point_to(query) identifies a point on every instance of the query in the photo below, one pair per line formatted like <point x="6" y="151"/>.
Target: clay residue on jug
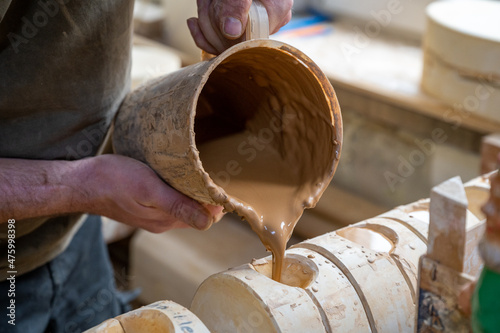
<point x="265" y="135"/>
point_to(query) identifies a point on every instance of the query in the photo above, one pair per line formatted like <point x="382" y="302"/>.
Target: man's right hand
<point x="129" y="191"/>
<point x="118" y="187"/>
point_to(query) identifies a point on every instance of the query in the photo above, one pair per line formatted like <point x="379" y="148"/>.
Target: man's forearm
<point x="114" y="186"/>
<point x="34" y="188"/>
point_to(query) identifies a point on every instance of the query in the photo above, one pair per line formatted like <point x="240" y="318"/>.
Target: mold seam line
<point x="352" y="280"/>
<point x="409" y="226"/>
<point x="259" y="299"/>
<point x="322" y="312"/>
<point x="406" y="277"/>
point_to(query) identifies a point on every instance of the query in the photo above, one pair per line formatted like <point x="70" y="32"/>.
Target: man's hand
<point x="221" y="23"/>
<point x="128" y="191"/>
<point x="115" y="186"/>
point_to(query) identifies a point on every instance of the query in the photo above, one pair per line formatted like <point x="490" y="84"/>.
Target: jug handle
<point x="257" y="26"/>
<point x="258" y="22"/>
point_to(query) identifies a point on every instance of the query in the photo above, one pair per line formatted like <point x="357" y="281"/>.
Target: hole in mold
<point x="372" y="236"/>
<point x="297" y="271"/>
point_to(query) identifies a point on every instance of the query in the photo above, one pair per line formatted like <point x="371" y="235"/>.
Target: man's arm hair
<point x="36" y="188"/>
<point x="115" y="186"/>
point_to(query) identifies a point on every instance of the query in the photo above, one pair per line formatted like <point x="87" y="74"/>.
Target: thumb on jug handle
<point x="257" y="25"/>
<point x="258" y="22"/>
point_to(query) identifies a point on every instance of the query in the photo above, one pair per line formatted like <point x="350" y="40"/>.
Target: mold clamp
<point x="441" y="276"/>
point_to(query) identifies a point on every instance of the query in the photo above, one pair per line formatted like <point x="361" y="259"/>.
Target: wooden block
<point x="447" y="228"/>
<point x="453" y="235"/>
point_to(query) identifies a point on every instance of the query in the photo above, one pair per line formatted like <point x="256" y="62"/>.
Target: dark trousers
<point x="73" y="292"/>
